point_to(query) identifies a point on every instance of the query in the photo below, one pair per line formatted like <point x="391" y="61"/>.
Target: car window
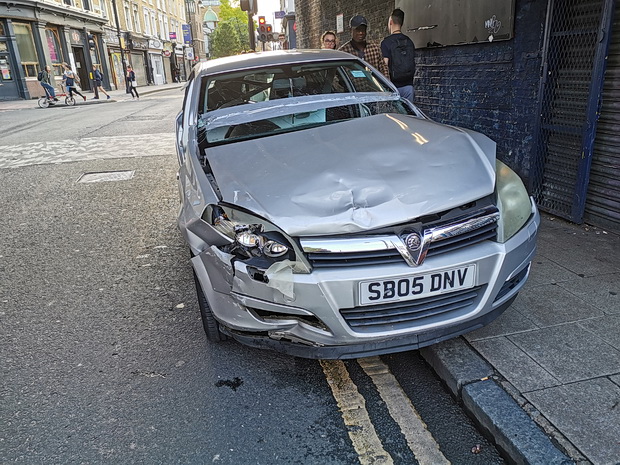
<point x="241" y="88"/>
<point x="274" y="98"/>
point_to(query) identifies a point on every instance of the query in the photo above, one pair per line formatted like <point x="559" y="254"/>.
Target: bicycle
<point x="47" y="101"/>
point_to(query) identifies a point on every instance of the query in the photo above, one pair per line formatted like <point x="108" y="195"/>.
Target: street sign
<point x="187" y="33"/>
<point x="279" y="14"/>
<point x="173" y="35"/>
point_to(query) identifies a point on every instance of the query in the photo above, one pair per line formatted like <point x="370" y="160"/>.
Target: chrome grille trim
<point x="390" y="248"/>
<point x="405" y="315"/>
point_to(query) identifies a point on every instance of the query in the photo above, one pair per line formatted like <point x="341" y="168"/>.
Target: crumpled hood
<point x="357" y="175"/>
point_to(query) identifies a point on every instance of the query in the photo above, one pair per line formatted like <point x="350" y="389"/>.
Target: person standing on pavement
<point x="70" y="81"/>
<point x="328" y="40"/>
<point x="132" y="83"/>
<point x="358" y="46"/>
<point x="399" y="55"/>
<point x="46" y="83"/>
<point x="98" y="77"/>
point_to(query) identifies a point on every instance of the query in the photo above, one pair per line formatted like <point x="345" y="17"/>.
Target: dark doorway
<point x="81" y="68"/>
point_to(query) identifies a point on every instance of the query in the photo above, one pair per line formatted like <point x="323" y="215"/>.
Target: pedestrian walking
<point x="328" y="40"/>
<point x="98" y="77"/>
<point x="399" y="55"/>
<point x="132" y="83"/>
<point x="45" y="77"/>
<point x="358" y="46"/>
<point x="70" y="81"/>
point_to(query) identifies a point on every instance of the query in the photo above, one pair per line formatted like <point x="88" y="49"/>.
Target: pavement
<point x="544" y="378"/>
<point x="116" y="96"/>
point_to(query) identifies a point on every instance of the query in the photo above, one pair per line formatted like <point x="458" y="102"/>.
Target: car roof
<point x="260" y="59"/>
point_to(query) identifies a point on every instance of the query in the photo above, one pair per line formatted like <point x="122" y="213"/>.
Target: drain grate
<point x="107" y="176"/>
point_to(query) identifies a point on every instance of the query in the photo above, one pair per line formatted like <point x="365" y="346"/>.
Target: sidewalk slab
<point x="468" y="376"/>
<point x="557" y="348"/>
<point x="588" y="414"/>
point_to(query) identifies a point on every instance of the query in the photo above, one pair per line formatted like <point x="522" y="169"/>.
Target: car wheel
<point x="211" y="325"/>
<point x="43" y="102"/>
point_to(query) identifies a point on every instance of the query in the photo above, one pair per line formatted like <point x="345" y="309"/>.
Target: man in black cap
<point x="358" y="46"/>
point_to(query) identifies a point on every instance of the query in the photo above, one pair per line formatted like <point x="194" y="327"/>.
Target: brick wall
<point x="315" y="17"/>
<point x="489" y="87"/>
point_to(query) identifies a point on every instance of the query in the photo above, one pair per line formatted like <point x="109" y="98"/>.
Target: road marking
<point x="419" y="439"/>
<point x="353" y="408"/>
<point x="87" y="148"/>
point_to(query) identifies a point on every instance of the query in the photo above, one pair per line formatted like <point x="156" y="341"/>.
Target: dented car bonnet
<point x="339" y="178"/>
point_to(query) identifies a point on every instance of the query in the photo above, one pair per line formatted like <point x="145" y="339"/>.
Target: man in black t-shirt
<point x="398" y="53"/>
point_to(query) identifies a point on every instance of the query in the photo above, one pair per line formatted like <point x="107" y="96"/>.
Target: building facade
<point x="147" y="34"/>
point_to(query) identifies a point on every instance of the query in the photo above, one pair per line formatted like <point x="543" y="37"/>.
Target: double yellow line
<point x="363" y="435"/>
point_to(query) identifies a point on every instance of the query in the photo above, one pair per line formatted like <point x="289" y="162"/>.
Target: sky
<point x="267" y="8"/>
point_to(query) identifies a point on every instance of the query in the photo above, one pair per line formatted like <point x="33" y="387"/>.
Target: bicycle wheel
<point x="43" y="102"/>
<point x="69" y="101"/>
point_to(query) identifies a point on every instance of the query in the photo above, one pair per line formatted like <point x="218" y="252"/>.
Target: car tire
<point x="210" y="324"/>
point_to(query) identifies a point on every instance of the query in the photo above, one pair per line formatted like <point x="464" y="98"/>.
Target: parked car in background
<point x="328" y="218"/>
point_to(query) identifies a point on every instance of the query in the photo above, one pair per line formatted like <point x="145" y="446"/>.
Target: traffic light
<point x="269" y="29"/>
<point x="249" y="5"/>
<point x="262" y="29"/>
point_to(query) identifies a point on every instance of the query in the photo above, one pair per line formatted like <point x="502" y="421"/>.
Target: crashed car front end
<point x="329" y="242"/>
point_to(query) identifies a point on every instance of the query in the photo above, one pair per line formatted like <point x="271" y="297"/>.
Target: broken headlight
<point x="513" y="202"/>
<point x="252" y="237"/>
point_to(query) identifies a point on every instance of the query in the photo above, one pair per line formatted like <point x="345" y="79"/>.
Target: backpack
<point x="402" y="64"/>
<point x="40" y="76"/>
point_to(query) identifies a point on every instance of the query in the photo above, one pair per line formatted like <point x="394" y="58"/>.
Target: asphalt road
<point x="102" y="354"/>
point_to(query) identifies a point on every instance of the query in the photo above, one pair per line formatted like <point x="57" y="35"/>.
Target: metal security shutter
<point x="576" y="41"/>
<point x="603" y="200"/>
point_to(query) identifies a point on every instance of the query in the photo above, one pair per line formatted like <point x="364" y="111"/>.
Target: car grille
<point x="380" y="250"/>
<point x="404" y="315"/>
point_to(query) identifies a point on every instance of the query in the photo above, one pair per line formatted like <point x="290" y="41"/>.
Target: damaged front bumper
<point x="305" y="314"/>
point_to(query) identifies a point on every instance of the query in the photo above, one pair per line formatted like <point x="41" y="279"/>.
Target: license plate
<point x="417" y="286"/>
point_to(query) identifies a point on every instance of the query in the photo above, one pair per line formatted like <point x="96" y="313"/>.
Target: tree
<point x="238" y="20"/>
<point x="224" y="40"/>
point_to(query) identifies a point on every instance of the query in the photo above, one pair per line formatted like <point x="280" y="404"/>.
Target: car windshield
<point x="266" y="101"/>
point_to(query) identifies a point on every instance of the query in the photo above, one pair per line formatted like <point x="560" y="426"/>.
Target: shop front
<point x="31" y="38"/>
<point x="156" y="61"/>
<point x="9" y="88"/>
<point x="115" y="62"/>
<point x="139" y="49"/>
<point x="169" y="64"/>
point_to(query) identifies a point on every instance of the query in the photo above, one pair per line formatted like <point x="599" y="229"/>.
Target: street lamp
<point x="120" y="44"/>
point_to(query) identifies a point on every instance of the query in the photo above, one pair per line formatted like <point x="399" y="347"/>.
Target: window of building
<point x="128" y="16"/>
<point x="154" y="24"/>
<point x="86" y="5"/>
<point x="136" y="18"/>
<point x="161" y="26"/>
<point x="68" y="2"/>
<point x="27" y="51"/>
<point x="53" y="44"/>
<point x="147" y="21"/>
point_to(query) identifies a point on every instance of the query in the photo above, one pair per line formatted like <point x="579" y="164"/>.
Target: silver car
<point x="328" y="218"/>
